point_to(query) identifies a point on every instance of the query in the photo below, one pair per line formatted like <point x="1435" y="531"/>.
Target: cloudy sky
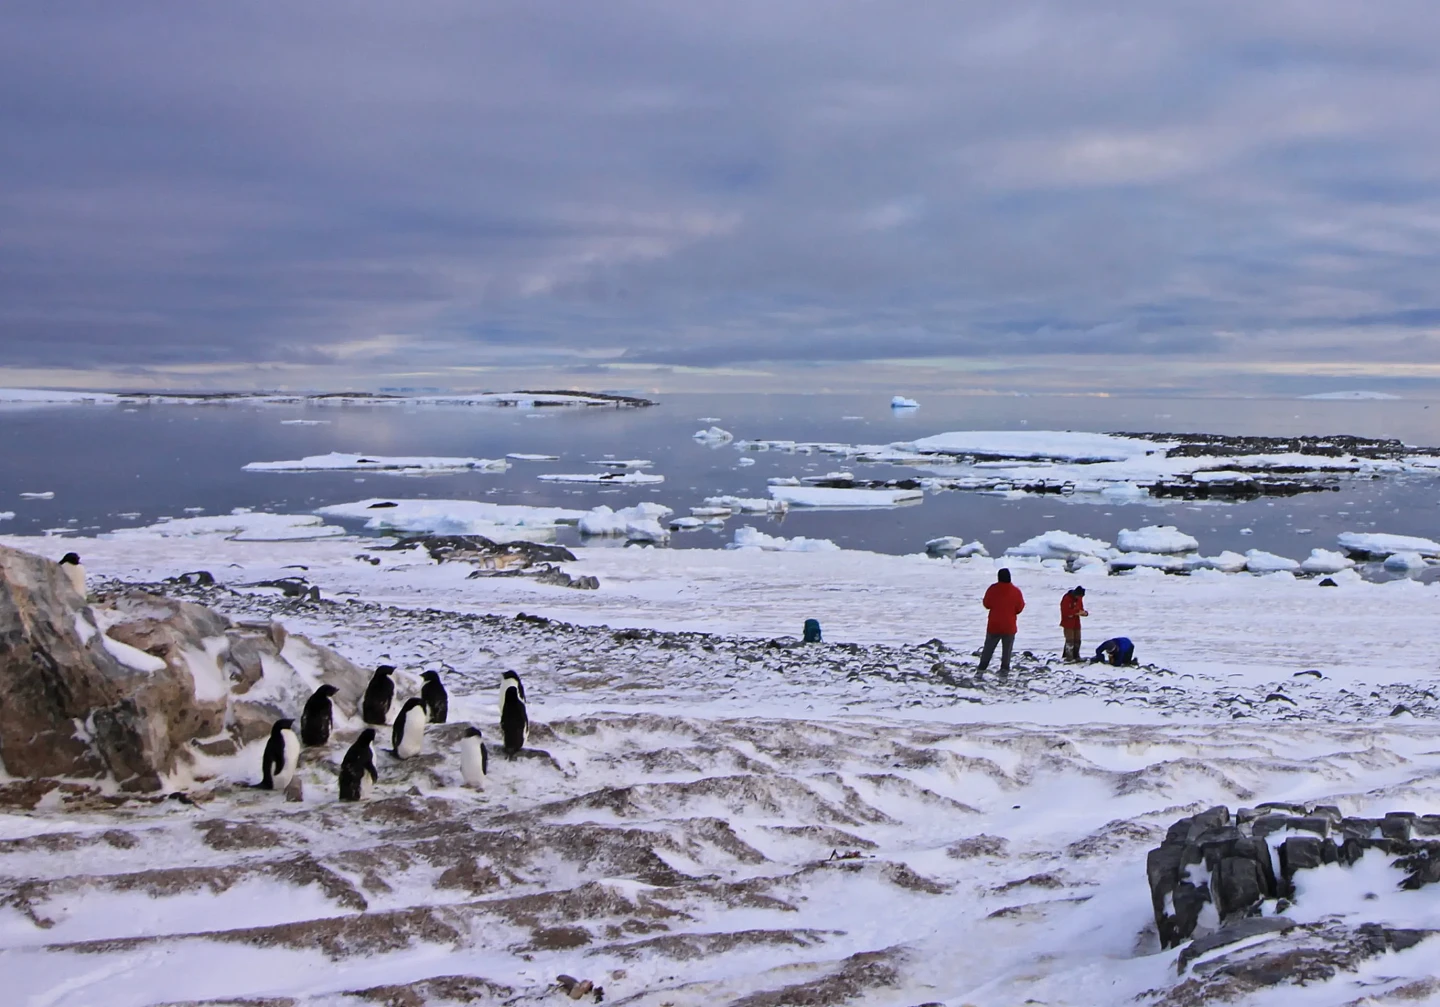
<point x="1079" y="193"/>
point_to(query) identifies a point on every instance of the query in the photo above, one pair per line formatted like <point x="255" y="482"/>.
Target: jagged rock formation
<point x="123" y="687"/>
<point x="1211" y="862"/>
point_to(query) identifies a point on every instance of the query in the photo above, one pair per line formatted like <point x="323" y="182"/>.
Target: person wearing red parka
<point x="1005" y="602"/>
<point x="1072" y="609"/>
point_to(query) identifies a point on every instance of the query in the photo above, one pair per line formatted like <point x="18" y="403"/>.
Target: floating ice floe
<point x="688" y="523"/>
<point x="623" y="464"/>
<point x="46" y="495"/>
<point x="1164" y="539"/>
<point x="400" y="465"/>
<point x="1405" y="561"/>
<point x="7" y="515"/>
<point x="1225" y="562"/>
<point x="1165" y="562"/>
<point x="742" y="505"/>
<point x="455" y="517"/>
<point x="240" y="525"/>
<point x="304" y="423"/>
<point x="750" y="537"/>
<point x="714" y="435"/>
<point x="1370" y="545"/>
<point x="954" y="547"/>
<point x="1059" y="545"/>
<point x="519" y="456"/>
<point x="901" y="402"/>
<point x="1260" y="561"/>
<point x="826" y="496"/>
<point x="618" y="478"/>
<point x="1325" y="561"/>
<point x="743" y="461"/>
<point x="640" y="523"/>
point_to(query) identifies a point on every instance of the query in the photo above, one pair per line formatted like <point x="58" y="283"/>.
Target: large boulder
<point x="123" y="688"/>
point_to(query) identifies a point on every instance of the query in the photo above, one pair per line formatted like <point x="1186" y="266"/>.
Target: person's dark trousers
<point x="1007" y="645"/>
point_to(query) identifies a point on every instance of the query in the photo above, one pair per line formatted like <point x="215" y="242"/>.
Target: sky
<point x="1089" y="195"/>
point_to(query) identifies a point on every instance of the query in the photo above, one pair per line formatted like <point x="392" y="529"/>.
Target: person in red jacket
<point x="1005" y="602"/>
<point x="1072" y="609"/>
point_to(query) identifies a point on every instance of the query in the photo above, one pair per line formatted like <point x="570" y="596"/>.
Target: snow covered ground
<point x="713" y="814"/>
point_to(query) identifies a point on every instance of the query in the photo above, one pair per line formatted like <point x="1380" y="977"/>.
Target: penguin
<point x="357" y="769"/>
<point x="316" y="720"/>
<point x="379" y="695"/>
<point x="70" y="563"/>
<point x="409" y="732"/>
<point x="437" y="700"/>
<point x="514" y="721"/>
<point x="474" y="759"/>
<point x="282" y="755"/>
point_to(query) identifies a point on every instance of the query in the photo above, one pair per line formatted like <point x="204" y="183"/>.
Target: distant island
<point x="1355" y="396"/>
<point x="525" y="398"/>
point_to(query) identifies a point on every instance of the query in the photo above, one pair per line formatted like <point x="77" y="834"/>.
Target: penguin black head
<point x="72" y="558"/>
<point x="326" y="690"/>
<point x="472" y="732"/>
<point x="366" y="737"/>
<point x="431" y="676"/>
<point x="385" y="669"/>
<point x="283" y="725"/>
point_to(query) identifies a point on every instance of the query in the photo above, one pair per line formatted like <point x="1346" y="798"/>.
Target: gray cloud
<point x="703" y="184"/>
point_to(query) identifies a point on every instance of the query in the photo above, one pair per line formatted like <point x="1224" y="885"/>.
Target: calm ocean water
<point x="111" y="467"/>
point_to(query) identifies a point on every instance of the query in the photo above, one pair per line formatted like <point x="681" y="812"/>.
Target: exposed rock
<point x="1208" y="859"/>
<point x="123" y="687"/>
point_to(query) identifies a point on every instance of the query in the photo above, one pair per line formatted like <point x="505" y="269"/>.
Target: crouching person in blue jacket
<point x="1117" y="651"/>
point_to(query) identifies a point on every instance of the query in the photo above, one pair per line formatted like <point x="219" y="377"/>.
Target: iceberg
<point x="452" y="517"/>
<point x="1047" y="445"/>
<point x="749" y="537"/>
<point x="825" y="496"/>
<point x="1155" y="539"/>
<point x="901" y="402"/>
<point x="619" y="478"/>
<point x="1405" y="561"/>
<point x="1060" y="545"/>
<point x="1325" y="561"/>
<point x="1225" y="562"/>
<point x="1369" y="545"/>
<point x="639" y="523"/>
<point x="241" y="525"/>
<point x="714" y="436"/>
<point x="1260" y="561"/>
<point x="401" y="465"/>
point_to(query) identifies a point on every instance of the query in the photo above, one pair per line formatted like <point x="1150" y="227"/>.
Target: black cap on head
<point x="71" y="557"/>
<point x="1079" y="590"/>
<point x="471" y="732"/>
<point x="1003" y="576"/>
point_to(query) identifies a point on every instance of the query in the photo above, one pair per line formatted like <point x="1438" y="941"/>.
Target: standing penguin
<point x="70" y="563"/>
<point x="282" y="755"/>
<point x="317" y="717"/>
<point x="357" y="769"/>
<point x="379" y="695"/>
<point x="474" y="759"/>
<point x="409" y="732"/>
<point x="437" y="700"/>
<point x="514" y="721"/>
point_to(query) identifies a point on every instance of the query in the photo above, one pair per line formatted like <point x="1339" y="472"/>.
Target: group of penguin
<point x="432" y="706"/>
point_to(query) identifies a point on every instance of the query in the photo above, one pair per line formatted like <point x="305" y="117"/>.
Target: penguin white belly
<point x="472" y="763"/>
<point x="292" y="760"/>
<point x="76" y="573"/>
<point x="366" y="785"/>
<point x="413" y="734"/>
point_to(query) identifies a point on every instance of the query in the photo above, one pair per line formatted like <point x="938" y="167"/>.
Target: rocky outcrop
<point x="126" y="686"/>
<point x="1212" y="866"/>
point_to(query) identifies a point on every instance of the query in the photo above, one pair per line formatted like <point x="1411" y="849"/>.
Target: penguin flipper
<point x="484" y="759"/>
